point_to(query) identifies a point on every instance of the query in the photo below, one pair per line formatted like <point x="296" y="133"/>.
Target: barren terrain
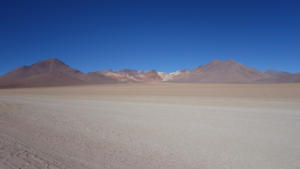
<point x="152" y="126"/>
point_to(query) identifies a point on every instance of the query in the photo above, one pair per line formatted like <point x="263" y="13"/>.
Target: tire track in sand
<point x="16" y="155"/>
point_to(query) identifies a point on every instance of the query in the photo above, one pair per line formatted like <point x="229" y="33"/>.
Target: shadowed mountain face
<point x="53" y="72"/>
<point x="219" y="71"/>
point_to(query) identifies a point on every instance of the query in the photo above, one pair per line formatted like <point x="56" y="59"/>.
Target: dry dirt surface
<point x="151" y="126"/>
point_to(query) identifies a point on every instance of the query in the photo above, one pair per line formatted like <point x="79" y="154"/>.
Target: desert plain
<point x="151" y="126"/>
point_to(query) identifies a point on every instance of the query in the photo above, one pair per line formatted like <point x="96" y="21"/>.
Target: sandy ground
<point x="153" y="126"/>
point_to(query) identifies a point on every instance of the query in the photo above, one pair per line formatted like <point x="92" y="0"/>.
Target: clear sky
<point x="162" y="35"/>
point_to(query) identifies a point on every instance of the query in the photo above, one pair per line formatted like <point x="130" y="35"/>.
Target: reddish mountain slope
<point x="277" y="73"/>
<point x="286" y="78"/>
<point x="51" y="72"/>
<point x="219" y="71"/>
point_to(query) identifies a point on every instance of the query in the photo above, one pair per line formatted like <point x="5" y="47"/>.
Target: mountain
<point x="45" y="73"/>
<point x="219" y="71"/>
<point x="282" y="78"/>
<point x="127" y="75"/>
<point x="51" y="72"/>
<point x="171" y="76"/>
<point x="289" y="78"/>
<point x="277" y="73"/>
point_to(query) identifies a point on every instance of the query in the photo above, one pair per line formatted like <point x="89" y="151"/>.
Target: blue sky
<point x="162" y="35"/>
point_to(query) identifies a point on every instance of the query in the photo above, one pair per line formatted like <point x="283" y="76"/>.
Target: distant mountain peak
<point x="50" y="72"/>
<point x="228" y="71"/>
<point x="52" y="61"/>
<point x="216" y="61"/>
<point x="231" y="61"/>
<point x="54" y="72"/>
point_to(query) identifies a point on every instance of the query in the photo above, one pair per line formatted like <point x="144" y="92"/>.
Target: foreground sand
<point x="134" y="126"/>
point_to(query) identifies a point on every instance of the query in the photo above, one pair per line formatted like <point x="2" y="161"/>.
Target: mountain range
<point x="53" y="72"/>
